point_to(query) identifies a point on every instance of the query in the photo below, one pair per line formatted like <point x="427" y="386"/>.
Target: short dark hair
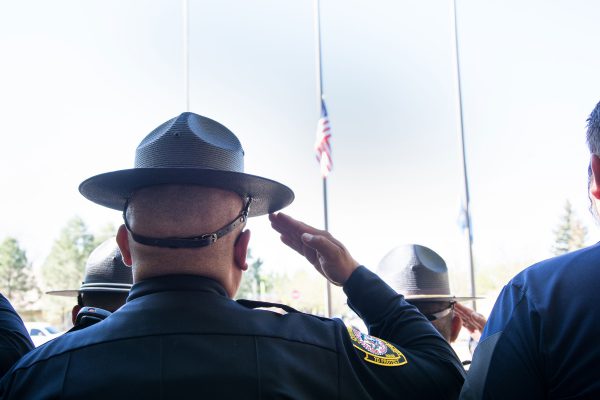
<point x="593" y="141"/>
<point x="593" y="130"/>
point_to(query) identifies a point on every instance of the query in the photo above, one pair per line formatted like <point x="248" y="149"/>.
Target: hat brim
<point x="112" y="189"/>
<point x="74" y="292"/>
<point x="439" y="297"/>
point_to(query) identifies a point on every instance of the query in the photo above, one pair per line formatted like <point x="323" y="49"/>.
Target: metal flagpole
<point x="319" y="100"/>
<point x="465" y="210"/>
<point x="186" y="52"/>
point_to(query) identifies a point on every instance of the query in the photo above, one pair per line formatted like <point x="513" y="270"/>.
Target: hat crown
<point x="188" y="150"/>
<point x="191" y="141"/>
<point x="415" y="270"/>
<point x="105" y="266"/>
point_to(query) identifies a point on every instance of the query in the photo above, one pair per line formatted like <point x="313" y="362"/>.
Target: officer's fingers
<point x="303" y="250"/>
<point x="462" y="309"/>
<point x="336" y="263"/>
<point x="478" y="320"/>
<point x="328" y="250"/>
<point x="279" y="223"/>
<point x="293" y="242"/>
<point x="467" y="324"/>
<point x="285" y="224"/>
<point x="473" y="325"/>
<point x="463" y="316"/>
<point x="464" y="312"/>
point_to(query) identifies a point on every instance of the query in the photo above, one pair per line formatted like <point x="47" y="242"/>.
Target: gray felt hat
<point x="188" y="149"/>
<point x="104" y="272"/>
<point x="419" y="273"/>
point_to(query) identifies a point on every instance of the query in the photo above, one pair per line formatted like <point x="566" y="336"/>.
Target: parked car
<point x="41" y="332"/>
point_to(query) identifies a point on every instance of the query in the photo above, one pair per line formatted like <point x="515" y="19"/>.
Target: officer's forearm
<point x="387" y="315"/>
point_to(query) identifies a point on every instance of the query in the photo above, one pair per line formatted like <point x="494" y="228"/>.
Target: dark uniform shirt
<point x="14" y="339"/>
<point x="181" y="337"/>
<point x="542" y="338"/>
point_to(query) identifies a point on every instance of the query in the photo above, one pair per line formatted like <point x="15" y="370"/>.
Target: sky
<point x="82" y="83"/>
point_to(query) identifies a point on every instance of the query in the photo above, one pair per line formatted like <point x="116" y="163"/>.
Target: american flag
<point x="322" y="145"/>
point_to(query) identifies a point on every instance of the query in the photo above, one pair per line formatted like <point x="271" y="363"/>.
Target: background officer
<point x="106" y="284"/>
<point x="421" y="275"/>
<point x="105" y="287"/>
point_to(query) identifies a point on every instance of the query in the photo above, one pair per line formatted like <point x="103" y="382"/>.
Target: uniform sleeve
<point x="14" y="339"/>
<point x="426" y="367"/>
<point x="506" y="363"/>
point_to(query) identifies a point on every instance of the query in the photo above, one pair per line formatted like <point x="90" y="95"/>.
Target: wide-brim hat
<point x="105" y="272"/>
<point x="418" y="273"/>
<point x="188" y="149"/>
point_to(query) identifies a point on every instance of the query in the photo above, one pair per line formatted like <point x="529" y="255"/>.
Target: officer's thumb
<point x="318" y="243"/>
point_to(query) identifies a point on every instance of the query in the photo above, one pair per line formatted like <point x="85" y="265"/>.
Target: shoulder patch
<point x="377" y="351"/>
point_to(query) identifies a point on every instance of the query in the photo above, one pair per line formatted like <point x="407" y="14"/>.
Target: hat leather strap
<point x="192" y="241"/>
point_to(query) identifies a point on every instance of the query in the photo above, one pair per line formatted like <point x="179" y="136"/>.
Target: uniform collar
<point x="182" y="283"/>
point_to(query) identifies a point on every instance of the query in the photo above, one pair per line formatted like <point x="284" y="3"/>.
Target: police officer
<point x="180" y="334"/>
<point x="106" y="284"/>
<point x="421" y="275"/>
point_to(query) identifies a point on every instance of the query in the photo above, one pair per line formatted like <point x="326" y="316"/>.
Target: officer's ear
<point x="74" y="312"/>
<point x="456" y="327"/>
<point x="595" y="178"/>
<point x="123" y="242"/>
<point x="240" y="250"/>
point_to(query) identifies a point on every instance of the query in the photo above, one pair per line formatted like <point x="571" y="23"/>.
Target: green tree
<point x="106" y="231"/>
<point x="255" y="281"/>
<point x="16" y="276"/>
<point x="570" y="233"/>
<point x="64" y="267"/>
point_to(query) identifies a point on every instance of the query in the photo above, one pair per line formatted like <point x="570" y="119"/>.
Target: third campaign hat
<point x="104" y="272"/>
<point x="419" y="273"/>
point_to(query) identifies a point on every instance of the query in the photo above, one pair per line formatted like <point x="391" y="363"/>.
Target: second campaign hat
<point x="188" y="149"/>
<point x="418" y="273"/>
<point x="104" y="272"/>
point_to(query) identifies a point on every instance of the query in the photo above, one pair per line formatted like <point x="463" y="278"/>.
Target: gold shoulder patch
<point x="377" y="351"/>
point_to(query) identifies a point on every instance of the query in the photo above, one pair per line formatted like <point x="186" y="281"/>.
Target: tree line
<point x="64" y="267"/>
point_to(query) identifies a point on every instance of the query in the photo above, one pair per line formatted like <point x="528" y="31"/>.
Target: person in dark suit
<point x="181" y="335"/>
<point x="541" y="338"/>
<point x="14" y="338"/>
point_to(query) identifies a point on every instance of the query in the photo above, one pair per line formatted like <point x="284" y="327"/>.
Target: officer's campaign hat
<point x="419" y="273"/>
<point x="188" y="149"/>
<point x="104" y="272"/>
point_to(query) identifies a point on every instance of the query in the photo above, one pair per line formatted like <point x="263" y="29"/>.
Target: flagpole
<point x="317" y="20"/>
<point x="466" y="210"/>
<point x="186" y="51"/>
<point x="328" y="284"/>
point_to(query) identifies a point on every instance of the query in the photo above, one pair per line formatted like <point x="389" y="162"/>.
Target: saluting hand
<point x="472" y="320"/>
<point x="322" y="250"/>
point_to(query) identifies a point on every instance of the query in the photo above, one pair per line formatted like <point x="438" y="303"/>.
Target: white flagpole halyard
<point x="186" y="51"/>
<point x="323" y="162"/>
<point x="466" y="200"/>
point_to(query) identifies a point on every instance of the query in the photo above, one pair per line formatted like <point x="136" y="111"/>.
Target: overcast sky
<point x="81" y="84"/>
